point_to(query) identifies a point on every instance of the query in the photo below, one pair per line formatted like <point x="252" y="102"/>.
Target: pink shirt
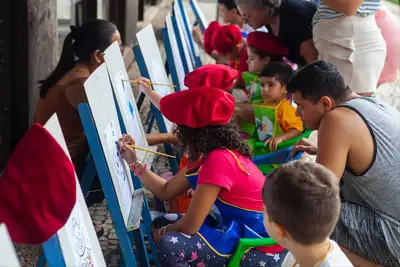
<point x="238" y="188"/>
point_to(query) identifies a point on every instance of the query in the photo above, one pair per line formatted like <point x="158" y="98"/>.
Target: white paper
<point x="127" y="108"/>
<point x="156" y="71"/>
<point x="135" y="213"/>
<point x="118" y="166"/>
<point x="79" y="240"/>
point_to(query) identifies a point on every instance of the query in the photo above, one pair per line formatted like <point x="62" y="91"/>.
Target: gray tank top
<point x="379" y="187"/>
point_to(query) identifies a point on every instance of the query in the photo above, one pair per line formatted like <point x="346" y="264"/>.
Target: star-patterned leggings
<point x="180" y="250"/>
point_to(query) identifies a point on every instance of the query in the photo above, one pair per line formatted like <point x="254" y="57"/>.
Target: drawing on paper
<point x="118" y="165"/>
<point x="81" y="249"/>
<point x="79" y="240"/>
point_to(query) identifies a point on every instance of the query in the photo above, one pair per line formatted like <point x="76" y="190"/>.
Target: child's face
<point x="271" y="89"/>
<point x="255" y="62"/>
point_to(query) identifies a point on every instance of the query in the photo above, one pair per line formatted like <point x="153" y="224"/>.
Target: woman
<point x="290" y="20"/>
<point x="63" y="90"/>
<point x="227" y="178"/>
<point x="346" y="34"/>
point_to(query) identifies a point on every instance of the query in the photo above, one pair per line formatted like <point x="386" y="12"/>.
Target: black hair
<point x="229" y="4"/>
<point x="279" y="70"/>
<point x="204" y="140"/>
<point x="81" y="42"/>
<point x="263" y="54"/>
<point x="319" y="79"/>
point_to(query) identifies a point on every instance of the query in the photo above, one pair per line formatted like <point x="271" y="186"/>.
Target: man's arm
<point x="334" y="141"/>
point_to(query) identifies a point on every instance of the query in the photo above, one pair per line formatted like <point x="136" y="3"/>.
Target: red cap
<point x="209" y="34"/>
<point x="226" y="38"/>
<point x="212" y="75"/>
<point x="37" y="188"/>
<point x="267" y="43"/>
<point x="198" y="107"/>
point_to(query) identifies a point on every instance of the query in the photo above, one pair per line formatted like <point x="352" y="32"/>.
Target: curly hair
<point x="204" y="140"/>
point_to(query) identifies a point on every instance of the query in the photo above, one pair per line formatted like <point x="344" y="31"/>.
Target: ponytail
<point x="66" y="63"/>
<point x="80" y="44"/>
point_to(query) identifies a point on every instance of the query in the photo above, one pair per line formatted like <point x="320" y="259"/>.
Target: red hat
<point x="226" y="38"/>
<point x="212" y="75"/>
<point x="198" y="107"/>
<point x="267" y="43"/>
<point x="209" y="34"/>
<point x="37" y="188"/>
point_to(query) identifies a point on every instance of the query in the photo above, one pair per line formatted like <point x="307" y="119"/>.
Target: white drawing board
<point x="186" y="19"/>
<point x="8" y="256"/>
<point x="200" y="14"/>
<point x="184" y="37"/>
<point x="181" y="36"/>
<point x="101" y="101"/>
<point x="124" y="96"/>
<point x="154" y="63"/>
<point x="78" y="240"/>
<point x="175" y="52"/>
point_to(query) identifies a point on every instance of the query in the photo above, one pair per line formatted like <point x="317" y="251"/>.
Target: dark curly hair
<point x="204" y="140"/>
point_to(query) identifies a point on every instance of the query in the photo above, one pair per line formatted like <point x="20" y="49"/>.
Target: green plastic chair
<point x="248" y="243"/>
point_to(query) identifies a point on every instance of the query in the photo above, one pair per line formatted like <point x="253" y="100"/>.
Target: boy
<point x="275" y="118"/>
<point x="301" y="208"/>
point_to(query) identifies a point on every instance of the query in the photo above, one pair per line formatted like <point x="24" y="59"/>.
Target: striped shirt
<point x="324" y="12"/>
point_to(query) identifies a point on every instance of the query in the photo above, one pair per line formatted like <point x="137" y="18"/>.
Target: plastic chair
<point x="279" y="157"/>
<point x="246" y="244"/>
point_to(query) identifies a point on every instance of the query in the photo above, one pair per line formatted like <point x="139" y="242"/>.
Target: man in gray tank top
<point x="359" y="140"/>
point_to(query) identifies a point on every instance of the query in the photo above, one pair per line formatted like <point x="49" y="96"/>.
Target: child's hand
<point x="127" y="152"/>
<point x="144" y="85"/>
<point x="304" y="146"/>
<point x="190" y="192"/>
<point x="197" y="34"/>
<point x="273" y="143"/>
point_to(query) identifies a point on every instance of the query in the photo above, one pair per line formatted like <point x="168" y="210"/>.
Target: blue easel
<point x="124" y="237"/>
<point x="180" y="38"/>
<point x="185" y="20"/>
<point x="199" y="15"/>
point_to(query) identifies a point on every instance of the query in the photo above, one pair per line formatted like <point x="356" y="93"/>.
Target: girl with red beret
<point x="227" y="41"/>
<point x="227" y="178"/>
<point x="212" y="75"/>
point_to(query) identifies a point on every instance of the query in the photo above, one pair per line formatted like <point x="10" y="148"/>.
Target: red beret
<point x="37" y="188"/>
<point x="198" y="107"/>
<point x="226" y="38"/>
<point x="209" y="34"/>
<point x="212" y="75"/>
<point x="267" y="43"/>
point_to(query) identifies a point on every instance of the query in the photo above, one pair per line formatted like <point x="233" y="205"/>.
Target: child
<point x="275" y="118"/>
<point x="262" y="48"/>
<point x="228" y="42"/>
<point x="303" y="220"/>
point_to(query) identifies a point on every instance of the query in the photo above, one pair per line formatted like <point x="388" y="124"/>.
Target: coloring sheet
<point x="8" y="256"/>
<point x="124" y="96"/>
<point x="79" y="240"/>
<point x="175" y="52"/>
<point x="118" y="166"/>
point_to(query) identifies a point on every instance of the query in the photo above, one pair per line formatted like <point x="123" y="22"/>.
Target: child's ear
<point x="280" y="232"/>
<point x="267" y="60"/>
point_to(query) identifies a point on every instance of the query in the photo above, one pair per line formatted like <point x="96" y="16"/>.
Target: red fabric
<point x="267" y="43"/>
<point x="209" y="34"/>
<point x="198" y="107"/>
<point x="212" y="75"/>
<point x="227" y="38"/>
<point x="37" y="188"/>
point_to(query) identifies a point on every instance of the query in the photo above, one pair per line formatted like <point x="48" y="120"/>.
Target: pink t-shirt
<point x="238" y="188"/>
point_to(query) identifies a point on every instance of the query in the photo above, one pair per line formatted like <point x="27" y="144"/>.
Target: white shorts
<point x="355" y="46"/>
